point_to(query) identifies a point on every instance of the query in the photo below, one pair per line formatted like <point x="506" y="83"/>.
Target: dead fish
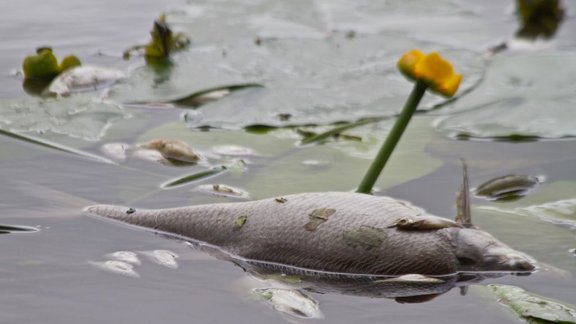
<point x="162" y="257"/>
<point x="357" y="237"/>
<point x="84" y="78"/>
<point x="223" y="191"/>
<point x="173" y="150"/>
<point x="125" y="256"/>
<point x="116" y="266"/>
<point x="507" y="187"/>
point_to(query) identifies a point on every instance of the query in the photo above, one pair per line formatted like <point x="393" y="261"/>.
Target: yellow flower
<point x="432" y="69"/>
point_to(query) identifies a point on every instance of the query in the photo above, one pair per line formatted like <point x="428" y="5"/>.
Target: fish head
<point x="477" y="250"/>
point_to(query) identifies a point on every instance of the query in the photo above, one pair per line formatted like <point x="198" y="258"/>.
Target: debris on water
<point x="317" y="217"/>
<point x="162" y="257"/>
<point x="173" y="150"/>
<point x="130" y="211"/>
<point x="125" y="256"/>
<point x="233" y="150"/>
<point x="117" y="266"/>
<point x="315" y="163"/>
<point x="508" y="187"/>
<point x="284" y="117"/>
<point x="84" y="78"/>
<point x="240" y="222"/>
<point x="572" y="251"/>
<point x="292" y="302"/>
<point x="222" y="190"/>
<point x="116" y="151"/>
<point x="149" y="155"/>
<point x="280" y="200"/>
<point x="236" y="166"/>
<point x="366" y="237"/>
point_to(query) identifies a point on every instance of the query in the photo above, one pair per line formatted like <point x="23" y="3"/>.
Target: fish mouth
<point x="512" y="262"/>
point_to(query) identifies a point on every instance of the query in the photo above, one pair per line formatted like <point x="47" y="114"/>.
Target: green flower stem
<point x="393" y="137"/>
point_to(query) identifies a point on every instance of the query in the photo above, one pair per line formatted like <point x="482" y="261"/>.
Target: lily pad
<point x="289" y="174"/>
<point x="522" y="96"/>
<point x="78" y="116"/>
<point x="315" y="81"/>
<point x="188" y="75"/>
<point x="320" y="82"/>
<point x="533" y="308"/>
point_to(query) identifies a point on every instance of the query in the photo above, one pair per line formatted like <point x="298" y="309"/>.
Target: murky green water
<point x="317" y="72"/>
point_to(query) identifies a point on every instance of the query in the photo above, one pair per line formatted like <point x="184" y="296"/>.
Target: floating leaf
<point x="204" y="96"/>
<point x="5" y="229"/>
<point x="193" y="177"/>
<point x="319" y="83"/>
<point x="533" y="308"/>
<point x="553" y="203"/>
<point x="311" y="81"/>
<point x="54" y="146"/>
<point x="78" y="116"/>
<point x="522" y="96"/>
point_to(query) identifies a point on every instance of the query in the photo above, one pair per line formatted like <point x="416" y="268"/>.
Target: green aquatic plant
<point x="539" y="18"/>
<point x="163" y="43"/>
<point x="428" y="71"/>
<point x="44" y="65"/>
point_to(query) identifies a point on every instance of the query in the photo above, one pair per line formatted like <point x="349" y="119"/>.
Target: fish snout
<point x="510" y="261"/>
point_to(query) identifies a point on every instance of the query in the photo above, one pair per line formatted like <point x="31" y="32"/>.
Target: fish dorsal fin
<point x="463" y="216"/>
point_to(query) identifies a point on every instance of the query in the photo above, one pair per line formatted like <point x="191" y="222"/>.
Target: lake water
<point x="316" y="71"/>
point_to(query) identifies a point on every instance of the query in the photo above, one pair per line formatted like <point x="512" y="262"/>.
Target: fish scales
<point x="356" y="238"/>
